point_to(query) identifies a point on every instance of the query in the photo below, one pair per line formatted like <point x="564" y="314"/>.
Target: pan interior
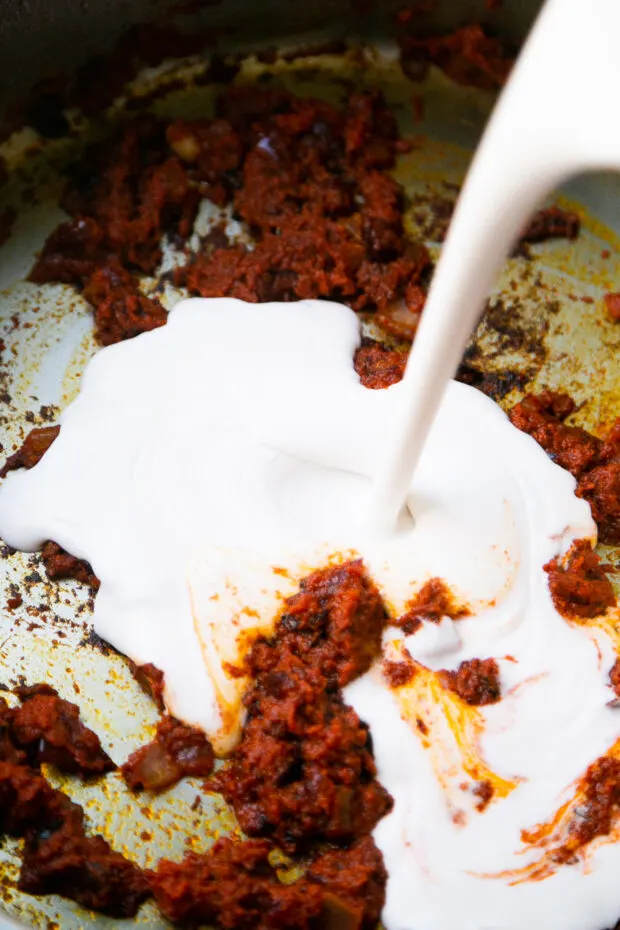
<point x="545" y="327"/>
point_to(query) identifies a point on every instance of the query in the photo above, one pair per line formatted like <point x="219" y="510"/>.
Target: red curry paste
<point x="32" y="450"/>
<point x="594" y="462"/>
<point x="476" y="681"/>
<point x="433" y="601"/>
<point x="311" y="181"/>
<point x="304" y="770"/>
<point x="60" y="564"/>
<point x="151" y="680"/>
<point x="235" y="885"/>
<point x="468" y="56"/>
<point x="177" y="751"/>
<point x="579" y="584"/>
<point x="59" y="857"/>
<point x="49" y="729"/>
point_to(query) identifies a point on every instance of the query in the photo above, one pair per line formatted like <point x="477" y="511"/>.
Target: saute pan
<point x="546" y="326"/>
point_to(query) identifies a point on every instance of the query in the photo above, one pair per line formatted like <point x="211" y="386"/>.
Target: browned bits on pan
<point x="433" y="601"/>
<point x="177" y="751"/>
<point x="60" y="564"/>
<point x="476" y="681"/>
<point x="433" y="213"/>
<point x="552" y="223"/>
<point x="579" y="584"/>
<point x="32" y="450"/>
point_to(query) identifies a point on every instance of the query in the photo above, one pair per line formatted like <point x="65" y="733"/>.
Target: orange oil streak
<point x="451" y="730"/>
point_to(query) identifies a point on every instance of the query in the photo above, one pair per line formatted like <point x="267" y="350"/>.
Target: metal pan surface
<point x="545" y="327"/>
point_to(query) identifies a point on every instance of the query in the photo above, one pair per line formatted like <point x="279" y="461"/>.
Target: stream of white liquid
<point x="552" y="121"/>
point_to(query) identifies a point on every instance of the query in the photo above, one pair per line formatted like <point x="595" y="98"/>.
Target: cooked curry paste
<point x="311" y="181"/>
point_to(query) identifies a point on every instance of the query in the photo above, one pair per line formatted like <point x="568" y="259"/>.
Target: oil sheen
<point x="208" y="465"/>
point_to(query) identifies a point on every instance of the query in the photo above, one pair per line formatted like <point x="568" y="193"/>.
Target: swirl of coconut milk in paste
<point x="207" y="466"/>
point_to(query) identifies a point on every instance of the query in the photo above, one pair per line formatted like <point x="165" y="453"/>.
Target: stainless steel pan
<point x="548" y="329"/>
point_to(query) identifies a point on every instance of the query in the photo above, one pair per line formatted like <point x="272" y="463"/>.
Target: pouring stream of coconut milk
<point x="553" y="120"/>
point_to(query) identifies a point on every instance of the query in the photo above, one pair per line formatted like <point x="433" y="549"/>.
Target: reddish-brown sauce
<point x="9" y="750"/>
<point x="175" y="752"/>
<point x="546" y="223"/>
<point x="314" y="189"/>
<point x="59" y="857"/>
<point x="552" y="223"/>
<point x="49" y="729"/>
<point x="304" y="770"/>
<point x="310" y="180"/>
<point x="484" y="791"/>
<point x="579" y="584"/>
<point x="433" y="601"/>
<point x="476" y="681"/>
<point x="235" y="886"/>
<point x="614" y="677"/>
<point x="612" y="305"/>
<point x="398" y="673"/>
<point x="378" y="366"/>
<point x="151" y="680"/>
<point x="60" y="564"/>
<point x="542" y="416"/>
<point x="595" y="463"/>
<point x="353" y="883"/>
<point x="468" y="56"/>
<point x="32" y="450"/>
<point x="120" y="310"/>
<point x="601" y="488"/>
<point x="599" y="809"/>
<point x="594" y="816"/>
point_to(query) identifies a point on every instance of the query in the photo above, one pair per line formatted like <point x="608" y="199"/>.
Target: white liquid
<point x="550" y="122"/>
<point x="202" y="459"/>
